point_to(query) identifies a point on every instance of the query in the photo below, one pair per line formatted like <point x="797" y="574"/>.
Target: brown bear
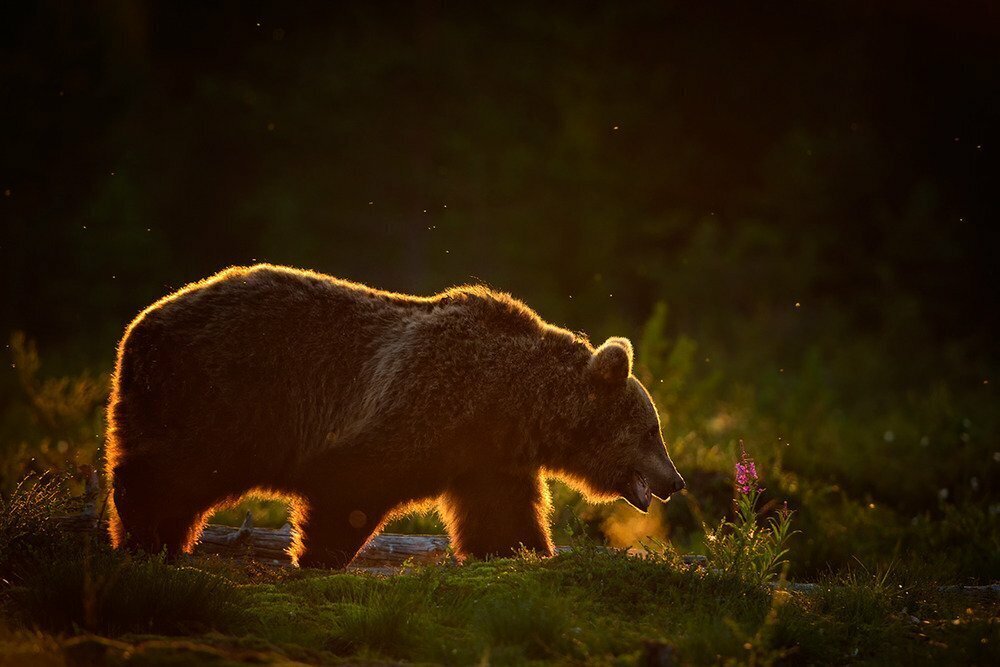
<point x="357" y="404"/>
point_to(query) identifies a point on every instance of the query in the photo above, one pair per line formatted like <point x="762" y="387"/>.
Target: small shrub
<point x="61" y="418"/>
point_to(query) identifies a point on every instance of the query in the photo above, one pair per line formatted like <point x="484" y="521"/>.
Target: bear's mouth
<point x="636" y="491"/>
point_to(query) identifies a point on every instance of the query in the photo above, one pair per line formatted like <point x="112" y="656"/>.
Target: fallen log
<point x="387" y="550"/>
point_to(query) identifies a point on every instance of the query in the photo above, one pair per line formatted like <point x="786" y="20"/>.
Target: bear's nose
<point x="678" y="485"/>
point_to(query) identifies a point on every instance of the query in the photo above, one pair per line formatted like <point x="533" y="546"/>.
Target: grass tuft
<point x="28" y="520"/>
<point x="536" y="620"/>
<point x="384" y="620"/>
<point x="113" y="593"/>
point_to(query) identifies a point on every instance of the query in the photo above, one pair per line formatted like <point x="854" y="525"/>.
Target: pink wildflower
<point x="746" y="472"/>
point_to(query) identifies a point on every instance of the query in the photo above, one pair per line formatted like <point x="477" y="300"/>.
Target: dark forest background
<point x="792" y="206"/>
<point x="829" y="153"/>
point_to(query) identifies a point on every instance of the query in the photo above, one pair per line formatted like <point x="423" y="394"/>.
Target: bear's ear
<point x="611" y="363"/>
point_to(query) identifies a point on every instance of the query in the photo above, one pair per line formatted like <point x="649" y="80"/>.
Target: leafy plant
<point x="741" y="547"/>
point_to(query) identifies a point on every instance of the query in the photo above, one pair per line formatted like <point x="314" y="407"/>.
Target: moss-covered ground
<point x="588" y="606"/>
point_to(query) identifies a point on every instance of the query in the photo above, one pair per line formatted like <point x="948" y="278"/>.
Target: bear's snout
<point x="665" y="488"/>
<point x="676" y="485"/>
<point x="664" y="480"/>
<point x="660" y="480"/>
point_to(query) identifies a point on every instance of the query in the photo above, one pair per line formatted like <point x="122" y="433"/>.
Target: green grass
<point x="585" y="606"/>
<point x="109" y="593"/>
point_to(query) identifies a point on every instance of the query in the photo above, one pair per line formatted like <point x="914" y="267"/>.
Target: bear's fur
<point x="357" y="404"/>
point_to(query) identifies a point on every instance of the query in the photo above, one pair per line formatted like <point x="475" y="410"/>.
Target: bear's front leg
<point x="497" y="514"/>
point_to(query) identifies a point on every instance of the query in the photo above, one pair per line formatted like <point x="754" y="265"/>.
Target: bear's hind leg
<point x="335" y="528"/>
<point x="347" y="493"/>
<point x="497" y="515"/>
<point x="346" y="500"/>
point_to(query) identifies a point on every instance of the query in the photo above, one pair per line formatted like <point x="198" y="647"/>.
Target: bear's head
<point x="618" y="450"/>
